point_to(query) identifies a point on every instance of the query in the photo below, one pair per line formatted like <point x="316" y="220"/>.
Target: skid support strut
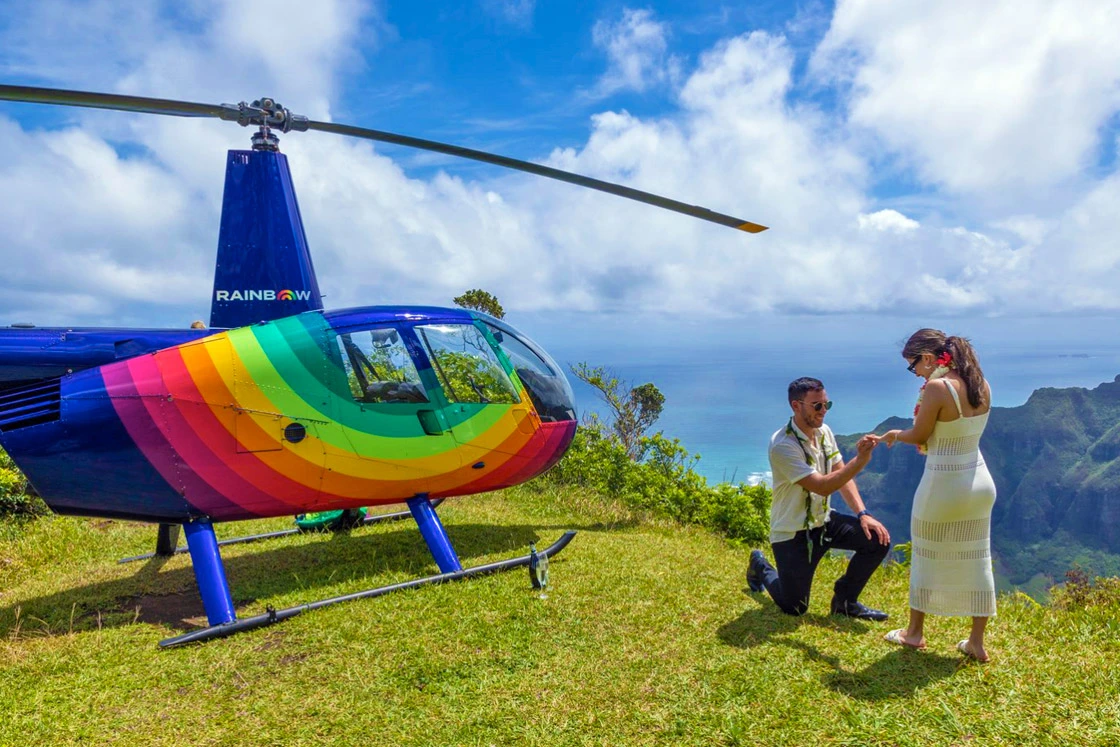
<point x="434" y="534"/>
<point x="166" y="540"/>
<point x="209" y="572"/>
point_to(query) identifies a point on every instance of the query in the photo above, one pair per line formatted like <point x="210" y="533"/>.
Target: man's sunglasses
<point x="914" y="364"/>
<point x="818" y="405"/>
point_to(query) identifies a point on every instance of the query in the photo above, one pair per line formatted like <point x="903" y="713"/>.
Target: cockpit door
<point x="482" y="407"/>
<point x="399" y="442"/>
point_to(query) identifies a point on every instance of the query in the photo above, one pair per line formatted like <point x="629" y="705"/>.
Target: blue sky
<point x="908" y="155"/>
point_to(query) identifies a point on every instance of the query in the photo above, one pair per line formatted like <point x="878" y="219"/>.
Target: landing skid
<point x="275" y="616"/>
<point x="169" y="535"/>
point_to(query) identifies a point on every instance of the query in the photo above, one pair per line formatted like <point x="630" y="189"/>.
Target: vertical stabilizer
<point x="263" y="270"/>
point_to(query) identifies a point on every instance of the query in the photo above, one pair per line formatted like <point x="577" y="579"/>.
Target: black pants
<point x="789" y="585"/>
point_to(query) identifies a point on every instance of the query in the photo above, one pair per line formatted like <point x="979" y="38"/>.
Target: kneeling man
<point x="807" y="468"/>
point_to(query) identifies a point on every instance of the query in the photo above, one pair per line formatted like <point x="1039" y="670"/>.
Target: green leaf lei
<point x="808" y="494"/>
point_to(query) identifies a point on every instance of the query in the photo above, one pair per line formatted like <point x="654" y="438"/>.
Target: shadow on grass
<point x="261" y="571"/>
<point x="768" y="624"/>
<point x="899" y="672"/>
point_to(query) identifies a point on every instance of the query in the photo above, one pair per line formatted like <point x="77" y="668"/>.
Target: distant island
<point x="1056" y="464"/>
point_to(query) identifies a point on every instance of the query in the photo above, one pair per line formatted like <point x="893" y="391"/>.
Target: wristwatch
<point x="863" y="513"/>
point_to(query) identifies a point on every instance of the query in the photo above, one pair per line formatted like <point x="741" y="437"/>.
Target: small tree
<point x="480" y="300"/>
<point x="634" y="411"/>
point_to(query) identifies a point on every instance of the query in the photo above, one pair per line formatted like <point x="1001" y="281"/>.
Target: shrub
<point x="902" y="553"/>
<point x="14" y="498"/>
<point x="663" y="481"/>
<point x="634" y="412"/>
<point x="480" y="300"/>
<point x="740" y="511"/>
<point x="1080" y="592"/>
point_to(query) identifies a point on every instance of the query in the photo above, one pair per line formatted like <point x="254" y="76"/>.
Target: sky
<point x="909" y="156"/>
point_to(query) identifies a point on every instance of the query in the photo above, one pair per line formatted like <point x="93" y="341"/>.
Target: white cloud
<point x="516" y="12"/>
<point x="636" y="46"/>
<point x="1075" y="264"/>
<point x="121" y="232"/>
<point x="999" y="98"/>
<point x="99" y="230"/>
<point x="887" y="220"/>
<point x="1029" y="229"/>
<point x="131" y="231"/>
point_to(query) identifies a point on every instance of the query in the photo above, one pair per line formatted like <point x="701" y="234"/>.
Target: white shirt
<point x="788" y="464"/>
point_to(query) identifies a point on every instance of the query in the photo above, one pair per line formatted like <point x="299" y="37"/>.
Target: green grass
<point x="647" y="637"/>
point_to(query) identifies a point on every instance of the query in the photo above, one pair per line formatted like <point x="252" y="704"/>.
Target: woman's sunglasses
<point x="818" y="405"/>
<point x="914" y="364"/>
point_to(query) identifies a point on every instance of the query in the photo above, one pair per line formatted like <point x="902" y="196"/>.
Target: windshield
<point x="548" y="389"/>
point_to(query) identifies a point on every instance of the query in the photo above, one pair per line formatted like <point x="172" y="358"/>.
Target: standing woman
<point x="950" y="523"/>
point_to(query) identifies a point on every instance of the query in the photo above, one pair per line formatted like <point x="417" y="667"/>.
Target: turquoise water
<point x="725" y="382"/>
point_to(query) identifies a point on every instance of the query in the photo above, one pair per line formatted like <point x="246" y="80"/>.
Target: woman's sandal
<point x="964" y="649"/>
<point x="895" y="636"/>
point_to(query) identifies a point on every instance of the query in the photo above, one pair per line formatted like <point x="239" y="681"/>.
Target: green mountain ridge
<point x="1056" y="463"/>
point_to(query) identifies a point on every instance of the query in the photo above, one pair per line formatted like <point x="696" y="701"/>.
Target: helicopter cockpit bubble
<point x="547" y="387"/>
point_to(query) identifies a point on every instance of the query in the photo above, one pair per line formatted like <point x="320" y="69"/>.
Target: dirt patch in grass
<point x="180" y="611"/>
<point x="273" y="639"/>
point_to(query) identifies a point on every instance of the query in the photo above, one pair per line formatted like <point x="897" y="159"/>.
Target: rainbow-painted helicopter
<point x="280" y="407"/>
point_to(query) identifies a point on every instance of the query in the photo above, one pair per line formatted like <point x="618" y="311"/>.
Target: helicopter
<point x="280" y="407"/>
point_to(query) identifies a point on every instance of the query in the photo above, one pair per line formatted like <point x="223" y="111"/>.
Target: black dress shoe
<point x="754" y="571"/>
<point x="858" y="611"/>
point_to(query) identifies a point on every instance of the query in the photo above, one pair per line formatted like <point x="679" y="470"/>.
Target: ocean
<point x="725" y="380"/>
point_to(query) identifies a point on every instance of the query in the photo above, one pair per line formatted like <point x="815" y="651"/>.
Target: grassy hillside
<point x="648" y="637"/>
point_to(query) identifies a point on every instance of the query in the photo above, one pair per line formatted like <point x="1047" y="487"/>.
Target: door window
<point x="379" y="368"/>
<point x="466" y="365"/>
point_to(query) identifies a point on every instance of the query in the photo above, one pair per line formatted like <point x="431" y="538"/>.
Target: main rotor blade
<point x="547" y="171"/>
<point x="140" y="104"/>
<point x="247" y="115"/>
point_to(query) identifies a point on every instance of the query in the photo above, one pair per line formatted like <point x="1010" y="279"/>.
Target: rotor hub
<point x="267" y="114"/>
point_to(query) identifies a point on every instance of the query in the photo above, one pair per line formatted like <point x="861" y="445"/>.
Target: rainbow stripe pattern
<point x="260" y="421"/>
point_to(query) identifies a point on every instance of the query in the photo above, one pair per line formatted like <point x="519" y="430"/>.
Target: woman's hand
<point x="889" y="438"/>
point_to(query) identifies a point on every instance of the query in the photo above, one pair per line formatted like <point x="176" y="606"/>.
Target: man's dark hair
<point x="798" y="388"/>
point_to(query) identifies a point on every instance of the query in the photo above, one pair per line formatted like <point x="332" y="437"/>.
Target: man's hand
<point x="871" y="526"/>
<point x="865" y="446"/>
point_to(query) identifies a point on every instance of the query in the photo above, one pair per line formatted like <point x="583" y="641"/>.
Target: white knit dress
<point x="950" y="524"/>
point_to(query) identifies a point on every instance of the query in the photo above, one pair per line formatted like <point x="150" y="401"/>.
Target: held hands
<point x="865" y="446"/>
<point x="889" y="438"/>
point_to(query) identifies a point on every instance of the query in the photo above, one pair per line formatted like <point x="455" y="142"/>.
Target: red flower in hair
<point x="945" y="360"/>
